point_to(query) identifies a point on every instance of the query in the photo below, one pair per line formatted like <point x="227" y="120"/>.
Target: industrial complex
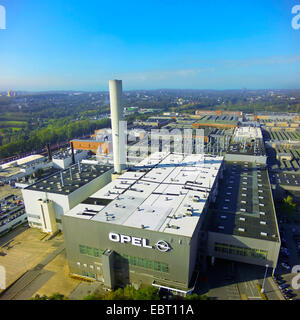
<point x="170" y="205"/>
<point x="160" y="202"/>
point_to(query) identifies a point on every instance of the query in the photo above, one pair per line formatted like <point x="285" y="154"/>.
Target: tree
<point x="147" y="293"/>
<point x="288" y="206"/>
<point x="128" y="293"/>
<point x="195" y="296"/>
<point x="54" y="296"/>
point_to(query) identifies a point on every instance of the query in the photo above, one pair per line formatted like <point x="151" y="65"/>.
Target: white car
<point x="286" y="266"/>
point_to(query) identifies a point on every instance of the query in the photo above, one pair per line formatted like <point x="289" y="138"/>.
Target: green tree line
<point x="55" y="132"/>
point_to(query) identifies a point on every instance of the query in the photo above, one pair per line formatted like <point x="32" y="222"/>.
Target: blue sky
<point x="149" y="44"/>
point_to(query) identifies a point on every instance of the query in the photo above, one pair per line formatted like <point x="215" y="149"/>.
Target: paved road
<point x="237" y="281"/>
<point x="31" y="280"/>
<point x="12" y="234"/>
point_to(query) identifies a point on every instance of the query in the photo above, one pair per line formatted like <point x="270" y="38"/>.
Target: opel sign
<point x="161" y="245"/>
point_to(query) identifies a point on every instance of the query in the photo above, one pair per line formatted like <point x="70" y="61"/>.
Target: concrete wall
<point x="61" y="202"/>
<point x="244" y="157"/>
<point x="67" y="162"/>
<point x="272" y="247"/>
<point x="96" y="235"/>
<point x="88" y="189"/>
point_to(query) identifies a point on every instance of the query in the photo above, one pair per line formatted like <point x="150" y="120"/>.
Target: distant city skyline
<point x="172" y="44"/>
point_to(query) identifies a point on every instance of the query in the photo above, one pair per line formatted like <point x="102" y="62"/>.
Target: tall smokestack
<point x="49" y="151"/>
<point x="116" y="109"/>
<point x="73" y="156"/>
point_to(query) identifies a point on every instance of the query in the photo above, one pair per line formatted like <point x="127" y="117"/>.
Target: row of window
<point x="145" y="263"/>
<point x="88" y="274"/>
<point x="134" y="261"/>
<point x="248" y="252"/>
<point x="35" y="223"/>
<point x="33" y="216"/>
<point x="93" y="252"/>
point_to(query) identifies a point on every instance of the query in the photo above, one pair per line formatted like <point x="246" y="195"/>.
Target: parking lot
<point x="7" y="190"/>
<point x="289" y="257"/>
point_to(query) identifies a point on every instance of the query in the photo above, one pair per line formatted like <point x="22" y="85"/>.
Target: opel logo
<point x="162" y="246"/>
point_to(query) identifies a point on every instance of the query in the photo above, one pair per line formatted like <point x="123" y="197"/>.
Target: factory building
<point x="247" y="133"/>
<point x="64" y="159"/>
<point x="242" y="224"/>
<point x="144" y="227"/>
<point x="48" y="199"/>
<point x="162" y="220"/>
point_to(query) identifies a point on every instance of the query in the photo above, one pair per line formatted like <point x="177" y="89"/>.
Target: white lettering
<point x="144" y="243"/>
<point x="296" y="19"/>
<point x="161" y="245"/>
<point x="2" y="277"/>
<point x="295" y="279"/>
<point x="136" y="241"/>
<point x="114" y="237"/>
<point x="2" y="18"/>
<point x="124" y="239"/>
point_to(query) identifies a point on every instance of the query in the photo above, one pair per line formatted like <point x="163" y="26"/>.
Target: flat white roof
<point x="169" y="197"/>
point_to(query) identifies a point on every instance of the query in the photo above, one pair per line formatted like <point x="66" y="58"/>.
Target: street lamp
<point x="263" y="286"/>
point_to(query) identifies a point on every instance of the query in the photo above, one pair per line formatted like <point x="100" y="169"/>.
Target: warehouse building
<point x="159" y="223"/>
<point x="48" y="199"/>
<point x="144" y="226"/>
<point x="242" y="225"/>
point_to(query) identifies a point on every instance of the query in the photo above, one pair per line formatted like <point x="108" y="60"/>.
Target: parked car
<point x="278" y="277"/>
<point x="285" y="265"/>
<point x="284" y="286"/>
<point x="290" y="295"/>
<point x="287" y="291"/>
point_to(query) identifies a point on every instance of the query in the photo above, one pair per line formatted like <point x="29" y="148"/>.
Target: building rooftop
<point x="256" y="148"/>
<point x="165" y="192"/>
<point x="244" y="205"/>
<point x="285" y="179"/>
<point x="71" y="179"/>
<point x="248" y="132"/>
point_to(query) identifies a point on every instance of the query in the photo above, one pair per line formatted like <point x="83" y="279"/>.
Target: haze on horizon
<point x="175" y="44"/>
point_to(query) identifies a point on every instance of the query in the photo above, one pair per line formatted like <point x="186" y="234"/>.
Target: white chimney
<point x="116" y="109"/>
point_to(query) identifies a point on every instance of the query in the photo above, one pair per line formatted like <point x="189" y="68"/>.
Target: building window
<point x="92" y="252"/>
<point x="88" y="274"/>
<point x="235" y="250"/>
<point x="144" y="263"/>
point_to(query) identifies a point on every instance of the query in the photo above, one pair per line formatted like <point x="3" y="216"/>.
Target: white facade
<point x="247" y="133"/>
<point x="66" y="161"/>
<point x="61" y="202"/>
